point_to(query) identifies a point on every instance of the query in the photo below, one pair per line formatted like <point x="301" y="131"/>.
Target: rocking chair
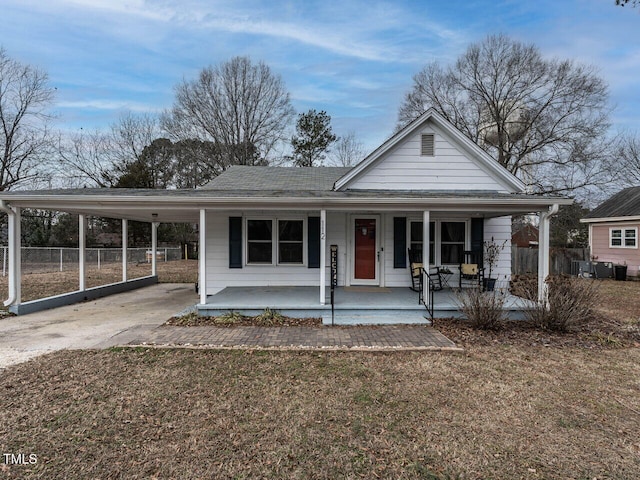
<point x="471" y="270"/>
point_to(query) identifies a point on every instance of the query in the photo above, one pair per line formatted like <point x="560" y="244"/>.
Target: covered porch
<point x="352" y="305"/>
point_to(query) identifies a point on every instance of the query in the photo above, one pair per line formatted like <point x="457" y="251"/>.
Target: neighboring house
<point x="613" y="230"/>
<point x="526" y="236"/>
<point x="428" y="188"/>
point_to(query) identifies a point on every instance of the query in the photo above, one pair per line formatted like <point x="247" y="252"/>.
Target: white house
<point x="273" y="227"/>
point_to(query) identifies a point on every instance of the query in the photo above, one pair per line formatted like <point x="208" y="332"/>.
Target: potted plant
<point x="492" y="252"/>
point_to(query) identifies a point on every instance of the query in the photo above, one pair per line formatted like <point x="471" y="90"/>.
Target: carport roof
<point x="184" y="205"/>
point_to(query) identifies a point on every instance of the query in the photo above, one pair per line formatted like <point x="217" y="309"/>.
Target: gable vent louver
<point x="428" y="145"/>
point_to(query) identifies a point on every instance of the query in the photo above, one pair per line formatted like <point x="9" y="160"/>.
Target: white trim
<point x="154" y="248"/>
<point x="323" y="256"/>
<point x="426" y="260"/>
<point x="623" y="236"/>
<point x="202" y="257"/>
<point x="352" y="249"/>
<point x="125" y="239"/>
<point x="82" y="252"/>
<point x="497" y="171"/>
<point x="632" y="218"/>
<point x="275" y="239"/>
<point x="543" y="253"/>
<point x="437" y="236"/>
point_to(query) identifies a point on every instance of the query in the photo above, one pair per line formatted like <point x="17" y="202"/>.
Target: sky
<point x="354" y="59"/>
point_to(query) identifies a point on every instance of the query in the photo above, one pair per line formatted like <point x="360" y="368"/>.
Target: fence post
<point x="165" y="254"/>
<point x="98" y="259"/>
<point x="60" y="259"/>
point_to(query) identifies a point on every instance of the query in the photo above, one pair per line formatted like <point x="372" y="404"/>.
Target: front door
<point x="365" y="250"/>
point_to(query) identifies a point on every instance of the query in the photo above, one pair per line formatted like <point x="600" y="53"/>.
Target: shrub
<point x="571" y="304"/>
<point x="483" y="309"/>
<point x="270" y="317"/>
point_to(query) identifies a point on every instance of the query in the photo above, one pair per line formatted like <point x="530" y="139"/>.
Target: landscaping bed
<point x="268" y="318"/>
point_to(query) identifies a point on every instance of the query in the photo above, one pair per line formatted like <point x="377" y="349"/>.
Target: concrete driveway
<point x="91" y="324"/>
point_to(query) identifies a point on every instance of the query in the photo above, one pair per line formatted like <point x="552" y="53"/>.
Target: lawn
<point x="516" y="404"/>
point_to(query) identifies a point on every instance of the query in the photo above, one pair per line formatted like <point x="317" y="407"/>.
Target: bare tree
<point x="238" y="105"/>
<point x="629" y="155"/>
<point x="348" y="151"/>
<point x="544" y="120"/>
<point x="83" y="159"/>
<point x="24" y="133"/>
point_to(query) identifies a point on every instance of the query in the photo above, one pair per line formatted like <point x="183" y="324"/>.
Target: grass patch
<point x="495" y="412"/>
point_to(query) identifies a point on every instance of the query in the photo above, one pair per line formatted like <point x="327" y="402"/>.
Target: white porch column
<point x="154" y="247"/>
<point x="323" y="255"/>
<point x="125" y="237"/>
<point x="202" y="257"/>
<point x="543" y="252"/>
<point x="15" y="256"/>
<point x="82" y="253"/>
<point x="425" y="254"/>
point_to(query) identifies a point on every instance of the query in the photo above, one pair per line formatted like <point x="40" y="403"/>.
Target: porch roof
<point x="183" y="205"/>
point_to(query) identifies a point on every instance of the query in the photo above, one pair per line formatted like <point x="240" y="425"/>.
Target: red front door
<point x="365" y="249"/>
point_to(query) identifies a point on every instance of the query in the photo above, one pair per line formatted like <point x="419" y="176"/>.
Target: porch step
<point x="377" y="317"/>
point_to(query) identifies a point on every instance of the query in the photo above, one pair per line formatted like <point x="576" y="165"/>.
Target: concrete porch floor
<point x="353" y="305"/>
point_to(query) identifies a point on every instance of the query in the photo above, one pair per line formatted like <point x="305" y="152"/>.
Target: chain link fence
<point x="59" y="259"/>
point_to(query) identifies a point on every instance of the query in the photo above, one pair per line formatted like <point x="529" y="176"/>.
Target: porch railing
<point x="429" y="305"/>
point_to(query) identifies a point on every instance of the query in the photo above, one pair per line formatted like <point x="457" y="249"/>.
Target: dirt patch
<point x="41" y="285"/>
<point x="269" y="318"/>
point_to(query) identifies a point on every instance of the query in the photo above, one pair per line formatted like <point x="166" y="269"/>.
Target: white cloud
<point x="97" y="104"/>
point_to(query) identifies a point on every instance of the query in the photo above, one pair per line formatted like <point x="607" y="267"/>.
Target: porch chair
<point x="471" y="270"/>
<point x="415" y="269"/>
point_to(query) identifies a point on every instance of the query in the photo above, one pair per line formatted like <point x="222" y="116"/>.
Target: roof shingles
<point x="625" y="203"/>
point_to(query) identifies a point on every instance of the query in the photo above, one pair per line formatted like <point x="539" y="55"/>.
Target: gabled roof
<point x="625" y="203"/>
<point x="292" y="179"/>
<point x="501" y="174"/>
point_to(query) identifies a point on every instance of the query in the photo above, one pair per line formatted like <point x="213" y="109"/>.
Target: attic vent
<point x="428" y="145"/>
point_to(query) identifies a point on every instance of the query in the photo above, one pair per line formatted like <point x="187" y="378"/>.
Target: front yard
<point x="515" y="404"/>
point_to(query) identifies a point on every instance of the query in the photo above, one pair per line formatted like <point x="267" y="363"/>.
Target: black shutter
<point x="477" y="239"/>
<point x="313" y="242"/>
<point x="235" y="242"/>
<point x="399" y="242"/>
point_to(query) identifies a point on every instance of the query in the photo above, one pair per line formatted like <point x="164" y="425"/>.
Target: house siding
<point x="600" y="248"/>
<point x="500" y="230"/>
<point x="403" y="168"/>
<point x="219" y="275"/>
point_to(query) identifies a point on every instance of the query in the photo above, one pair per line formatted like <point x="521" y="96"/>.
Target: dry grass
<point x="519" y="404"/>
<point x="496" y="412"/>
<point x="40" y="285"/>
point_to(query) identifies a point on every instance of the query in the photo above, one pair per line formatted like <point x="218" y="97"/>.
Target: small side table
<point x="445" y="275"/>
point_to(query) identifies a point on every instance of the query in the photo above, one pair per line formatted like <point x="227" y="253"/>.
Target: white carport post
<point x="82" y="251"/>
<point x="202" y="257"/>
<point x="15" y="255"/>
<point x="543" y="252"/>
<point x="125" y="237"/>
<point x="323" y="256"/>
<point x="425" y="255"/>
<point x="154" y="248"/>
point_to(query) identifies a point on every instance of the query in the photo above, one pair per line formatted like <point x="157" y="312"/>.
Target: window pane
<point x="290" y="252"/>
<point x="259" y="229"/>
<point x="616" y="233"/>
<point x="616" y="242"/>
<point x="629" y="238"/>
<point x="452" y="253"/>
<point x="453" y="232"/>
<point x="290" y="230"/>
<point x="416" y="232"/>
<point x="259" y="252"/>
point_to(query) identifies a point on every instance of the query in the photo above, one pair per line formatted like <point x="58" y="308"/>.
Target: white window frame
<point x="437" y="240"/>
<point x="275" y="240"/>
<point x="623" y="237"/>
